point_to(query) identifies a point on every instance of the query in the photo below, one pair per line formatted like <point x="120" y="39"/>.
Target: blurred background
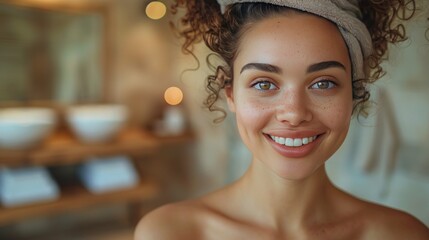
<point x="99" y="122"/>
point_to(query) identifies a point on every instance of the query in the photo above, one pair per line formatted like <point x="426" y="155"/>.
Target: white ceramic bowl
<point x="22" y="128"/>
<point x="96" y="123"/>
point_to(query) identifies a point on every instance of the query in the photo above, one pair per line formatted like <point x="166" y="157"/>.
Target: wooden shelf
<point x="77" y="197"/>
<point x="63" y="148"/>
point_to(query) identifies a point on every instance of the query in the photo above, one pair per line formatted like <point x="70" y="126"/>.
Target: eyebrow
<point x="324" y="65"/>
<point x="261" y="66"/>
<point x="274" y="69"/>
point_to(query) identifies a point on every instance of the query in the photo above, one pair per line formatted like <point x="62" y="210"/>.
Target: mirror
<point x="52" y="52"/>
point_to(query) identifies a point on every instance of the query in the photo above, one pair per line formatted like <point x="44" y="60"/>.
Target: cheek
<point x="251" y="115"/>
<point x="250" y="112"/>
<point x="337" y="113"/>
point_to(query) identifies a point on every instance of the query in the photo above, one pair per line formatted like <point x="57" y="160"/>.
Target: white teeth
<point x="305" y="141"/>
<point x="297" y="142"/>
<point x="293" y="142"/>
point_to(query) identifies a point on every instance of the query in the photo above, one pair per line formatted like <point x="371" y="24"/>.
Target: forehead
<point x="303" y="37"/>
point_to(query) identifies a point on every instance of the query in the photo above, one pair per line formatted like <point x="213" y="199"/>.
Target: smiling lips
<point x="293" y="142"/>
<point x="294" y="147"/>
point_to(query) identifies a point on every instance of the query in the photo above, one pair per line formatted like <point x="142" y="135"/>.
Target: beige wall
<point x="385" y="157"/>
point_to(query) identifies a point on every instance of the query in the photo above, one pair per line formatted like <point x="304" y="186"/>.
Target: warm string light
<point x="156" y="10"/>
<point x="173" y="95"/>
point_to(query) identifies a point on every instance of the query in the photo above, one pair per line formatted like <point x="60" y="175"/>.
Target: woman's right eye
<point x="264" y="86"/>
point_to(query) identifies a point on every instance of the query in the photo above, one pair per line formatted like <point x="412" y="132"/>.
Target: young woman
<point x="294" y="73"/>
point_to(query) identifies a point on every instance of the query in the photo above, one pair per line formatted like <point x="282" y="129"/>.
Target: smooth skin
<point x="292" y="78"/>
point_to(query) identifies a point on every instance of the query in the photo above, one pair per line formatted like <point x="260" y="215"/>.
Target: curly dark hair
<point x="203" y="20"/>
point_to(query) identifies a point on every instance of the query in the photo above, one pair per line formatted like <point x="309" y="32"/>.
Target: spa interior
<point x="102" y="120"/>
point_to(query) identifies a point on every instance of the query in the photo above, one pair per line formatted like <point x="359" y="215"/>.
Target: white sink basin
<point x="96" y="123"/>
<point x="22" y="128"/>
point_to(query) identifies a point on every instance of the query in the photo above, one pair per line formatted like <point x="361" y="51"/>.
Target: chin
<point x="297" y="169"/>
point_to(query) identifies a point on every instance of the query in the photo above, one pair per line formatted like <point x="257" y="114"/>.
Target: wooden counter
<point x="76" y="198"/>
<point x="63" y="148"/>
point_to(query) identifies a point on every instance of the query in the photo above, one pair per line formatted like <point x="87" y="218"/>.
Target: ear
<point x="230" y="97"/>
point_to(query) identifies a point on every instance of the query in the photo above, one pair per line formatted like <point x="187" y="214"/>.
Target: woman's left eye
<point x="264" y="86"/>
<point x="324" y="84"/>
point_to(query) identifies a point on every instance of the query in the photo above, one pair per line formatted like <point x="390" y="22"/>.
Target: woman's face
<point x="292" y="92"/>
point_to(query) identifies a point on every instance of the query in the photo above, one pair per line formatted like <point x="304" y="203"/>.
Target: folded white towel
<point x="344" y="13"/>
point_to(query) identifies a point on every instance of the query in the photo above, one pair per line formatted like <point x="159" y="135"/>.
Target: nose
<point x="294" y="109"/>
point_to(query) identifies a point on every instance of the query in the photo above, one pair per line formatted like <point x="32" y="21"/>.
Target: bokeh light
<point x="156" y="10"/>
<point x="173" y="95"/>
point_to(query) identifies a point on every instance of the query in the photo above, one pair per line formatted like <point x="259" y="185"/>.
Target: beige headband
<point x="344" y="13"/>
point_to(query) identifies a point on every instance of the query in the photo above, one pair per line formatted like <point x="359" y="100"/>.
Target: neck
<point x="279" y="202"/>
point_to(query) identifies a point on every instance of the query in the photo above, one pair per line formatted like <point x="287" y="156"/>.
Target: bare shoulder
<point x="388" y="223"/>
<point x="171" y="221"/>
